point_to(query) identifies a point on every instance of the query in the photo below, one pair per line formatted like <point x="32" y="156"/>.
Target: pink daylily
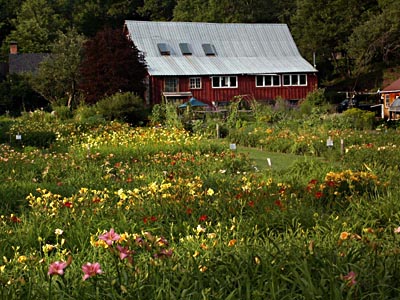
<point x="397" y="230"/>
<point x="57" y="268"/>
<point x="91" y="270"/>
<point x="124" y="252"/>
<point x="350" y="278"/>
<point x="110" y="237"/>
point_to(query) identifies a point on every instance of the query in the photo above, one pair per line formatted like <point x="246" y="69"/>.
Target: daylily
<point x="124" y="252"/>
<point x="350" y="278"/>
<point x="57" y="268"/>
<point x="109" y="237"/>
<point x="91" y="270"/>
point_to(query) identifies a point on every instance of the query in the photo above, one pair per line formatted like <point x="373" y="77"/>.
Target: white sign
<point x="18" y="137"/>
<point x="232" y="146"/>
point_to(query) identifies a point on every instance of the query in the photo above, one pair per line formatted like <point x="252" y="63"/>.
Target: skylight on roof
<point x="208" y="49"/>
<point x="163" y="48"/>
<point x="185" y="49"/>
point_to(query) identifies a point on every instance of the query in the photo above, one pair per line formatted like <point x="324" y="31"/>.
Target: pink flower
<point x="350" y="278"/>
<point x="397" y="230"/>
<point x="109" y="237"/>
<point x="91" y="270"/>
<point x="124" y="252"/>
<point x="57" y="268"/>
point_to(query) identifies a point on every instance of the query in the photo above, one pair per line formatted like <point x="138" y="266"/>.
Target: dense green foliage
<point x="171" y="215"/>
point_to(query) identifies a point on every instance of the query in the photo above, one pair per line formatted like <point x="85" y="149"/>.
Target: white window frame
<point x="195" y="83"/>
<point x="224" y="82"/>
<point x="171" y="84"/>
<point x="387" y="101"/>
<point x="294" y="79"/>
<point x="271" y="78"/>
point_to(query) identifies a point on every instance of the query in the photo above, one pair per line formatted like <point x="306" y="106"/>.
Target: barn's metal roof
<point x="239" y="48"/>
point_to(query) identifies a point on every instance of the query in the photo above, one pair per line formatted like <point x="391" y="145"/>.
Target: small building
<point x="389" y="95"/>
<point x="216" y="62"/>
<point x="20" y="63"/>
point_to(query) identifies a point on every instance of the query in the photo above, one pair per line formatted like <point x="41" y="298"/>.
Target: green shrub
<point x="127" y="107"/>
<point x="359" y="119"/>
<point x="62" y="112"/>
<point x="158" y="114"/>
<point x="88" y="114"/>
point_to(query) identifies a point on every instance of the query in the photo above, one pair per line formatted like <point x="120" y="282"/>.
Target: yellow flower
<point x="210" y="192"/>
<point x="202" y="268"/>
<point x="22" y="259"/>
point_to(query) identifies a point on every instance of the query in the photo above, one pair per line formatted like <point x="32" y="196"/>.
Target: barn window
<point x="387" y="100"/>
<point x="185" y="48"/>
<point x="195" y="83"/>
<point x="294" y="79"/>
<point x="268" y="80"/>
<point x="209" y="49"/>
<point x="171" y="84"/>
<point x="163" y="48"/>
<point x="224" y="82"/>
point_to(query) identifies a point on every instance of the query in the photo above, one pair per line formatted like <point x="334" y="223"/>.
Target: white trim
<point x="227" y="82"/>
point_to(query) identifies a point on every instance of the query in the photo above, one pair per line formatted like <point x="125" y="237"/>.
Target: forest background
<point x="355" y="44"/>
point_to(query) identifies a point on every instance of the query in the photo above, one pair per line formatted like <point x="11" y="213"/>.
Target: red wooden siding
<point x="246" y="86"/>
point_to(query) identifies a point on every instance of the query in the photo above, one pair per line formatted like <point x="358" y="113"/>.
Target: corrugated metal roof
<point x="240" y="48"/>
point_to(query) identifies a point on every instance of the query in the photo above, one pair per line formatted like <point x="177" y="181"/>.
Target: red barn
<point x="216" y="62"/>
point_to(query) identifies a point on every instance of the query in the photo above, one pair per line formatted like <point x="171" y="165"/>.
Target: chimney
<point x="13" y="47"/>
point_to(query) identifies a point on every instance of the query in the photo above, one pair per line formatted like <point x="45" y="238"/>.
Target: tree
<point x="377" y="40"/>
<point x="111" y="64"/>
<point x="17" y="95"/>
<point x="157" y="10"/>
<point x="58" y="75"/>
<point x="323" y="27"/>
<point x="233" y="11"/>
<point x="8" y="11"/>
<point x="36" y="26"/>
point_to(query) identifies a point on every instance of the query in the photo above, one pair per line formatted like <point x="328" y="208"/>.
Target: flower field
<point x="114" y="212"/>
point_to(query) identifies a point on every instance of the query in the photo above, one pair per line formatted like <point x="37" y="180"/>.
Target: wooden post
<point x="217" y="128"/>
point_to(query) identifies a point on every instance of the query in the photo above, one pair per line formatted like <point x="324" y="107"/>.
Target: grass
<point x="279" y="161"/>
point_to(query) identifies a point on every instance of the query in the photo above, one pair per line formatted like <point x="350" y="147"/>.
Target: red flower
<point x="144" y="220"/>
<point x="251" y="204"/>
<point x="313" y="181"/>
<point x="203" y="218"/>
<point x="153" y="218"/>
<point x="318" y="195"/>
<point x="278" y="203"/>
<point x="189" y="211"/>
<point x="15" y="219"/>
<point x="330" y="183"/>
<point x="68" y="204"/>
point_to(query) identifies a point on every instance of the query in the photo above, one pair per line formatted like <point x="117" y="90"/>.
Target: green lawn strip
<point x="278" y="161"/>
